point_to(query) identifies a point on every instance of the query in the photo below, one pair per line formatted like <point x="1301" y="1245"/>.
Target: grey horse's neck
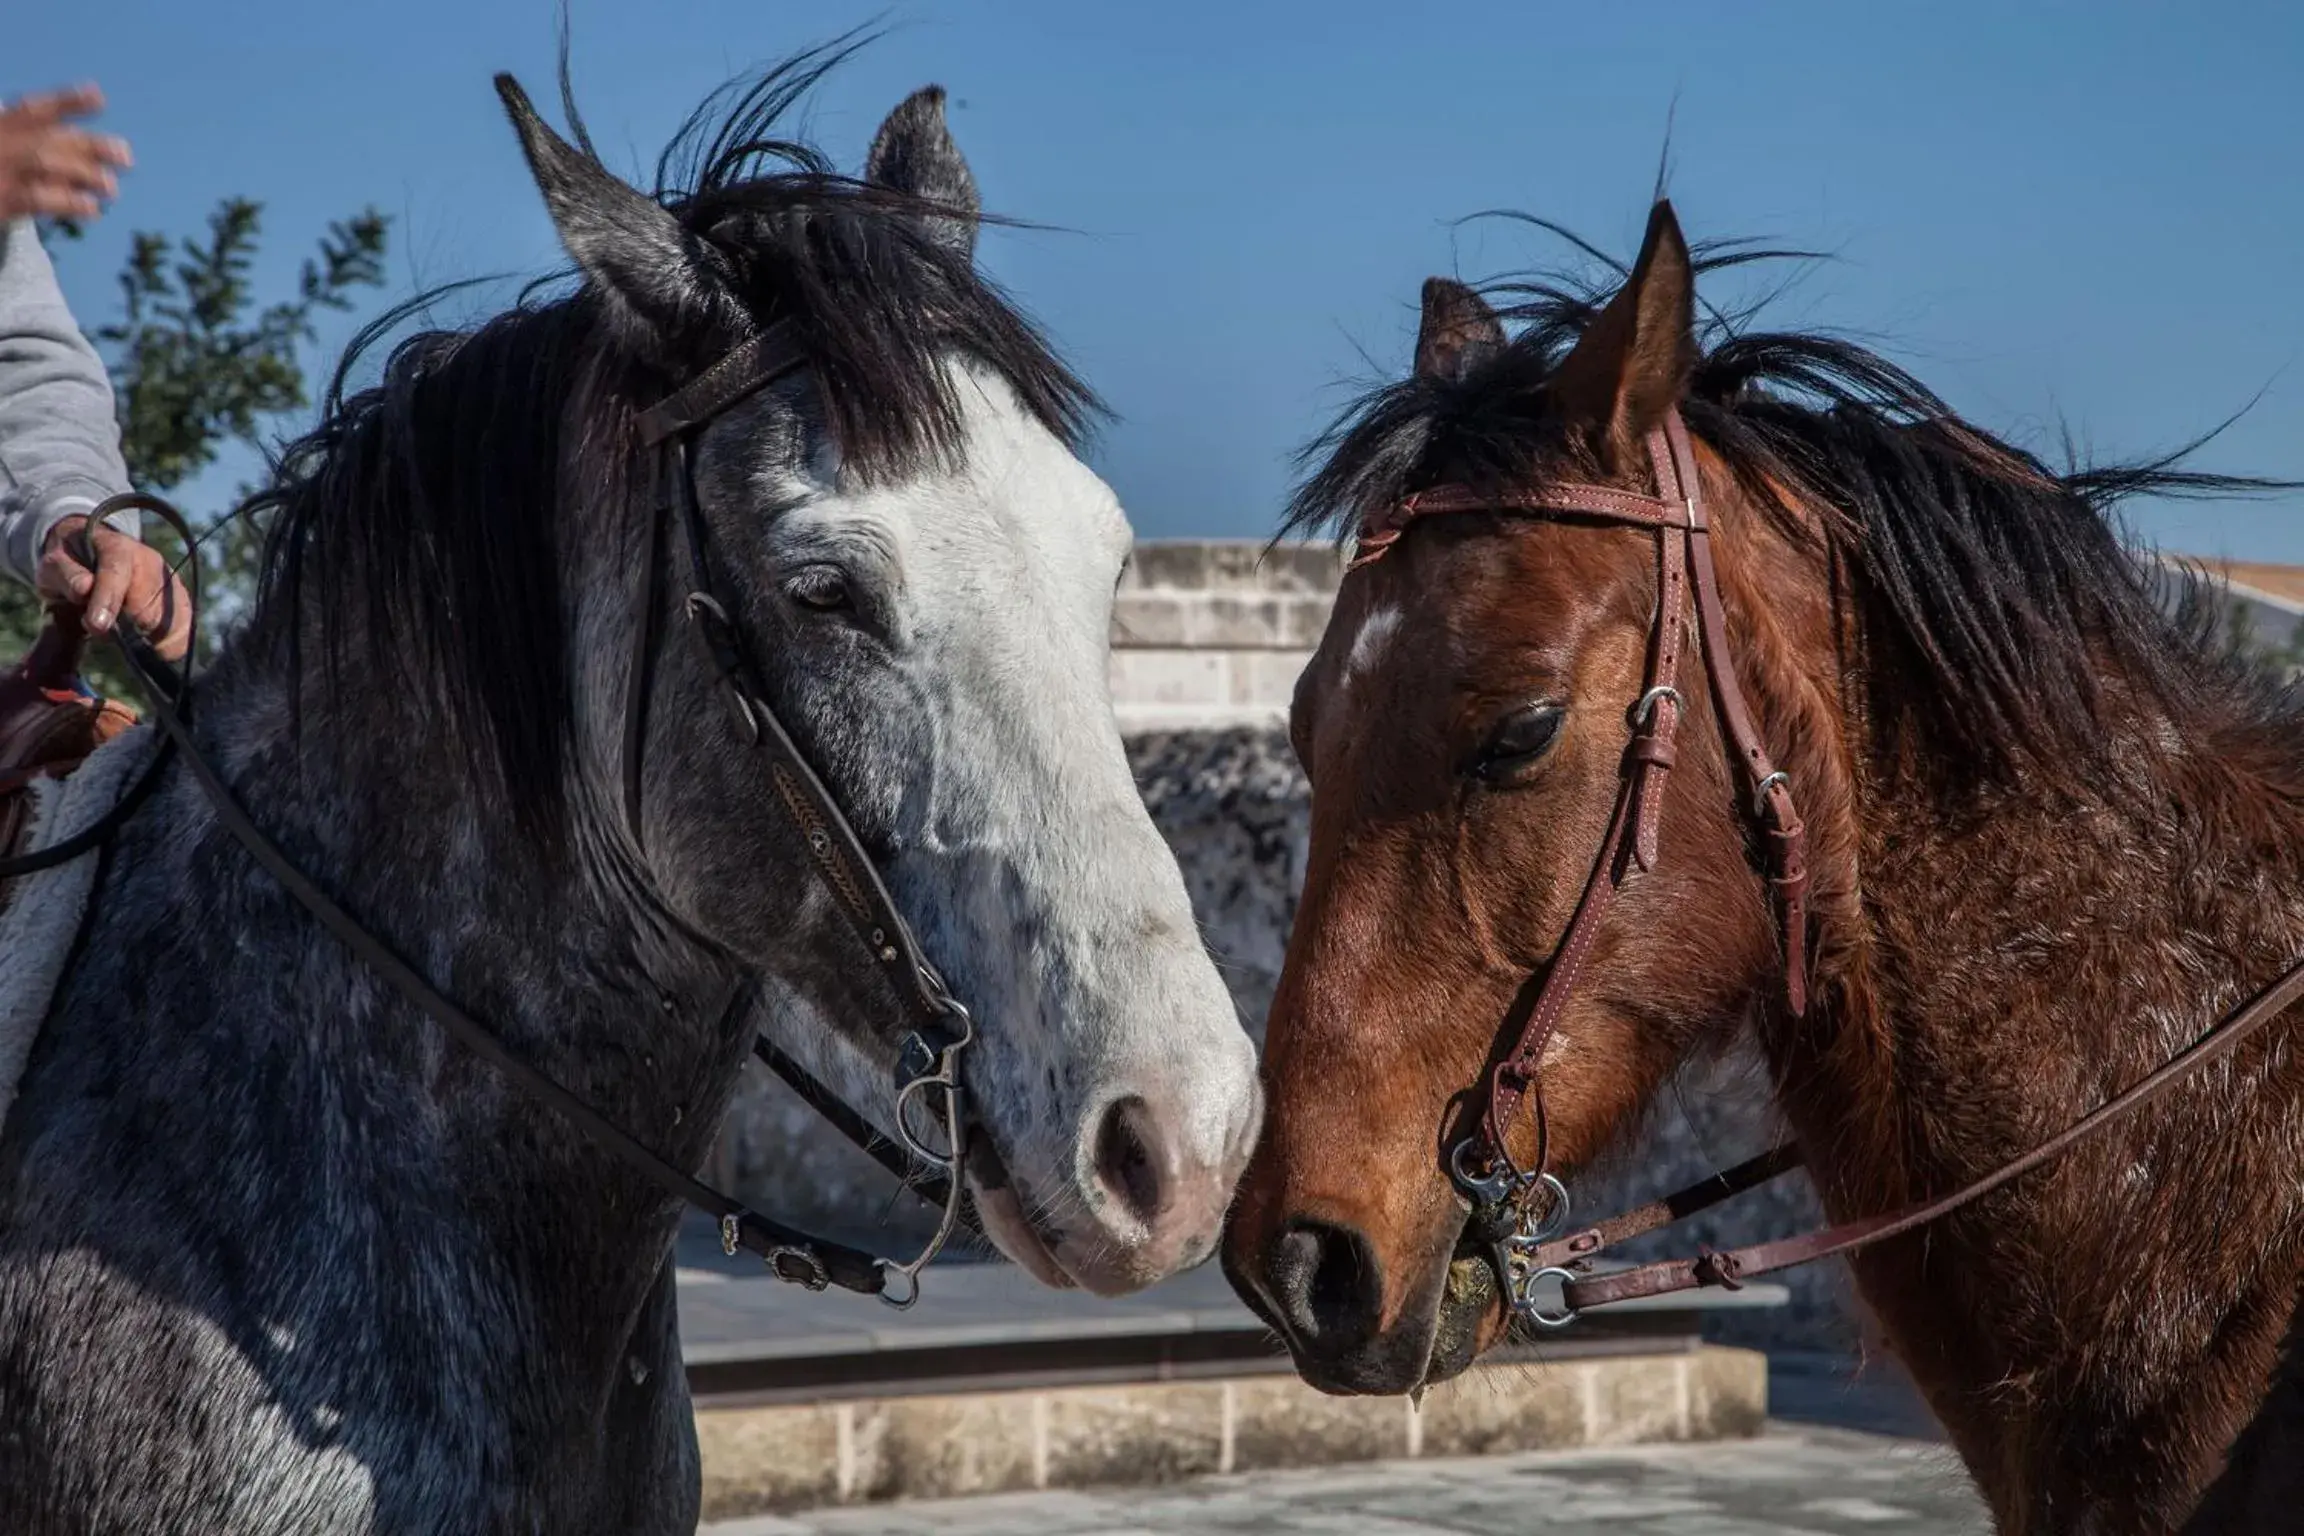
<point x="247" y="1182"/>
<point x="565" y="958"/>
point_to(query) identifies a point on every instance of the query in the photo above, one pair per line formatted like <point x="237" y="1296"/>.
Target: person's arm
<point x="59" y="443"/>
<point x="59" y="440"/>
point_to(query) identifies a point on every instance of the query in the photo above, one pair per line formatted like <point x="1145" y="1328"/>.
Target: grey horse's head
<point x="923" y="575"/>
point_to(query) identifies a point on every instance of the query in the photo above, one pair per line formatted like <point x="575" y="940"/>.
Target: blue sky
<point x="2056" y="213"/>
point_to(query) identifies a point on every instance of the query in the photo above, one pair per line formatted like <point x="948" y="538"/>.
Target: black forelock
<point x="2008" y="586"/>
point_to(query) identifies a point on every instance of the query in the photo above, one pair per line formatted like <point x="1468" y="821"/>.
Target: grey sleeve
<point x="59" y="440"/>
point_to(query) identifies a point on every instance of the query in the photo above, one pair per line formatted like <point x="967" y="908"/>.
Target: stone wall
<point x="1210" y="634"/>
<point x="1208" y="639"/>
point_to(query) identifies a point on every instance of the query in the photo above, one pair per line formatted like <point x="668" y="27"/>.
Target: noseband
<point x="1522" y="1212"/>
<point x="927" y="1052"/>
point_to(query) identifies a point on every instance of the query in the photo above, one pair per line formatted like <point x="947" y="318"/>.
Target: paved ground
<point x="1796" y="1481"/>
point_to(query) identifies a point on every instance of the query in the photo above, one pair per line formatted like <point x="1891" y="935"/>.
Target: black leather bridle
<point x="938" y="1029"/>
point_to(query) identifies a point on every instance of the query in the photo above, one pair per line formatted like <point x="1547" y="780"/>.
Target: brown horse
<point x="2052" y="834"/>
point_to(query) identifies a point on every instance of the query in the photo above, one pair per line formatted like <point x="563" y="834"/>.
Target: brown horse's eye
<point x="1516" y="743"/>
<point x="821" y="587"/>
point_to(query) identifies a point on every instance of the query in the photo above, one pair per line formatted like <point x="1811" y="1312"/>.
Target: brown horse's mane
<point x="2009" y="588"/>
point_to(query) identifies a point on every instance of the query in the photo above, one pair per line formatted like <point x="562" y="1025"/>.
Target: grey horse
<point x="275" y="1256"/>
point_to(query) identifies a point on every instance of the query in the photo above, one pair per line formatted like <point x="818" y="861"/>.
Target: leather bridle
<point x="938" y="1028"/>
<point x="928" y="1056"/>
<point x="1521" y="1213"/>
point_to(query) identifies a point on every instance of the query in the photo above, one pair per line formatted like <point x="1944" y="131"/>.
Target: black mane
<point x="2006" y="586"/>
<point x="415" y="532"/>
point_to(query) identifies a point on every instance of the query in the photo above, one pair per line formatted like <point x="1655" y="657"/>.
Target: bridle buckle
<point x="1644" y="709"/>
<point x="1761" y="791"/>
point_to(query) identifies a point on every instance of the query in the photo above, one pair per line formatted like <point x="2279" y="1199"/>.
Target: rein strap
<point x="1728" y="1268"/>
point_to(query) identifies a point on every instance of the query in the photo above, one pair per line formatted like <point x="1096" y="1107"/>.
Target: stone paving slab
<point x="1795" y="1481"/>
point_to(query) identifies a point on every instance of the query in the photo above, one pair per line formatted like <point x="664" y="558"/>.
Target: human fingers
<point x="61" y="575"/>
<point x="115" y="569"/>
<point x="42" y="108"/>
<point x="155" y="602"/>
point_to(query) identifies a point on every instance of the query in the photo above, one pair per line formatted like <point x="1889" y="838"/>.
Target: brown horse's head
<point x="1464" y="725"/>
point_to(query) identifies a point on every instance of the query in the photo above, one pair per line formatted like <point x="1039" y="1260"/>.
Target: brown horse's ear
<point x="1457" y="331"/>
<point x="1632" y="363"/>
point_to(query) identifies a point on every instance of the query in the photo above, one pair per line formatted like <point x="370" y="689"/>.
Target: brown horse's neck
<point x="1997" y="960"/>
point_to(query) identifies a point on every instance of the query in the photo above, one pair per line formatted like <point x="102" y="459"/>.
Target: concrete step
<point x="798" y="1456"/>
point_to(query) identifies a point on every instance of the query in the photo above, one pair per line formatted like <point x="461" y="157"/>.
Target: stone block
<point x="1168" y="563"/>
<point x="1227" y="621"/>
<point x="1171" y="677"/>
<point x="1277" y="1421"/>
<point x="758" y="1459"/>
<point x="1639" y="1400"/>
<point x="1235" y="563"/>
<point x="1303" y="620"/>
<point x="1148" y="619"/>
<point x="943" y="1447"/>
<point x="1727" y="1393"/>
<point x="1498" y="1408"/>
<point x="1266" y="677"/>
<point x="1314" y="566"/>
<point x="1155" y="1433"/>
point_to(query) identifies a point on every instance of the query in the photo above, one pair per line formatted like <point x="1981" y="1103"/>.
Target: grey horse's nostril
<point x="1132" y="1158"/>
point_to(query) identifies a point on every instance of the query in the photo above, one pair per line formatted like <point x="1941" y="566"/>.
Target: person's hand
<point x="130" y="578"/>
<point x="51" y="169"/>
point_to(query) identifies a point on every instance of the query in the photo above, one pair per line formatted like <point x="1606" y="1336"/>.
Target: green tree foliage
<point x="198" y="364"/>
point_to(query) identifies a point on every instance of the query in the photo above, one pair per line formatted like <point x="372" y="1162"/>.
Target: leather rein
<point x="1521" y="1213"/>
<point x="938" y="1028"/>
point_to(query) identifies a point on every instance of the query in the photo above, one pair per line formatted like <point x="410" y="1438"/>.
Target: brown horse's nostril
<point x="1133" y="1161"/>
<point x="1327" y="1285"/>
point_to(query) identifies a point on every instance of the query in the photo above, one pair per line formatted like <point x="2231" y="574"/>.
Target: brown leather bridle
<point x="1521" y="1212"/>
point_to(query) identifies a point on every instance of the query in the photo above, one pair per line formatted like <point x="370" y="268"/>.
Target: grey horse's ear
<point x="913" y="153"/>
<point x="622" y="239"/>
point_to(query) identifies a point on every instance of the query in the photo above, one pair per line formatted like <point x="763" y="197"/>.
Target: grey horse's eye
<point x="821" y="587"/>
